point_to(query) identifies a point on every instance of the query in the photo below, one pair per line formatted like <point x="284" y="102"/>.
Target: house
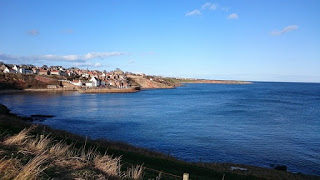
<point x="6" y="70"/>
<point x="88" y="84"/>
<point x="77" y="82"/>
<point x="21" y="70"/>
<point x="103" y="83"/>
<point x="28" y="71"/>
<point x="95" y="82"/>
<point x="43" y="72"/>
<point x="112" y="83"/>
<point x="15" y="67"/>
<point x="12" y="71"/>
<point x="68" y="73"/>
<point x="63" y="73"/>
<point x="55" y="72"/>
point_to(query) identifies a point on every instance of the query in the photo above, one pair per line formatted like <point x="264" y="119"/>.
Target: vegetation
<point x="22" y="81"/>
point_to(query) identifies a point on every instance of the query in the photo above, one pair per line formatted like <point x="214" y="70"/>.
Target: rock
<point x="39" y="117"/>
<point x="4" y="109"/>
<point x="281" y="167"/>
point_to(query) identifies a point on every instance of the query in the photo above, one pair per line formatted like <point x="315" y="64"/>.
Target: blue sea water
<point x="257" y="124"/>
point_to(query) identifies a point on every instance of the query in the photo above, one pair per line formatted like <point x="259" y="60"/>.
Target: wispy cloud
<point x="97" y="64"/>
<point x="284" y="30"/>
<point x="210" y="6"/>
<point x="33" y="32"/>
<point x="88" y="64"/>
<point x="194" y="12"/>
<point x="233" y="16"/>
<point x="131" y="61"/>
<point x="69" y="58"/>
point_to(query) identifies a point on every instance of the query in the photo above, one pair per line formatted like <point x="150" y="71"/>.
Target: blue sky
<point x="265" y="40"/>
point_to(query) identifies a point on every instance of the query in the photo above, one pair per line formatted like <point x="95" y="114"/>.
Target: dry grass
<point x="59" y="155"/>
<point x="108" y="165"/>
<point x="135" y="173"/>
<point x="20" y="138"/>
<point x="9" y="168"/>
<point x="61" y="149"/>
<point x="33" y="168"/>
<point x="86" y="155"/>
<point x="39" y="144"/>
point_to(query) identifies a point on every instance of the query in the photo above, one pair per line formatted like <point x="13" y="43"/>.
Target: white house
<point x="88" y="84"/>
<point x="6" y="70"/>
<point x="22" y="70"/>
<point x="14" y="67"/>
<point x="95" y="81"/>
<point x="77" y="82"/>
<point x="55" y="72"/>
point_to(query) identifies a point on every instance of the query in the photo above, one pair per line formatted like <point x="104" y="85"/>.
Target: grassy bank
<point x="45" y="153"/>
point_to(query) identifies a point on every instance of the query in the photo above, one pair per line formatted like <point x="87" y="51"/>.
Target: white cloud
<point x="97" y="64"/>
<point x="70" y="58"/>
<point x="33" y="32"/>
<point x="213" y="7"/>
<point x="233" y="16"/>
<point x="210" y="6"/>
<point x="284" y="30"/>
<point x="194" y="12"/>
<point x="206" y="5"/>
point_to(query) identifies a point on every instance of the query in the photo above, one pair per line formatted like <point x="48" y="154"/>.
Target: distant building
<point x="43" y="72"/>
<point x="54" y="72"/>
<point x="77" y="82"/>
<point x="95" y="81"/>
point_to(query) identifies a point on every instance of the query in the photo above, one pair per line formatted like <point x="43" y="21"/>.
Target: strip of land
<point x="84" y="164"/>
<point x="204" y="81"/>
<point x="115" y="82"/>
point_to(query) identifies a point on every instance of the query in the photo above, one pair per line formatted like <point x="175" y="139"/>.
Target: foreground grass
<point x="45" y="153"/>
<point x="39" y="152"/>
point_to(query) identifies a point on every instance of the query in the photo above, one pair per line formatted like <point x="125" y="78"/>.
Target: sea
<point x="262" y="124"/>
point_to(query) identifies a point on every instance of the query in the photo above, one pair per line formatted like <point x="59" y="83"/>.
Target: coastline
<point x="216" y="82"/>
<point x="168" y="164"/>
<point x="113" y="90"/>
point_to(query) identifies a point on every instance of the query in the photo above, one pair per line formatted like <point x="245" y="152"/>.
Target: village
<point x="73" y="77"/>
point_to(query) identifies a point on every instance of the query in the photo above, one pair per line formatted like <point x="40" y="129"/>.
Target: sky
<point x="261" y="40"/>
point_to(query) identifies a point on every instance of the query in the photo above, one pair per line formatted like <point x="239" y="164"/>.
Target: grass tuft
<point x="21" y="138"/>
<point x="135" y="172"/>
<point x="108" y="165"/>
<point x="9" y="168"/>
<point x="33" y="168"/>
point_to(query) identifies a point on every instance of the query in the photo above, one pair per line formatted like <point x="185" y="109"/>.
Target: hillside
<point x="151" y="82"/>
<point x="21" y="81"/>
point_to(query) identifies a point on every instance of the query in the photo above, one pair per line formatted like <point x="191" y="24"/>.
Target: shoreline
<point x="225" y="168"/>
<point x="112" y="90"/>
<point x="216" y="82"/>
